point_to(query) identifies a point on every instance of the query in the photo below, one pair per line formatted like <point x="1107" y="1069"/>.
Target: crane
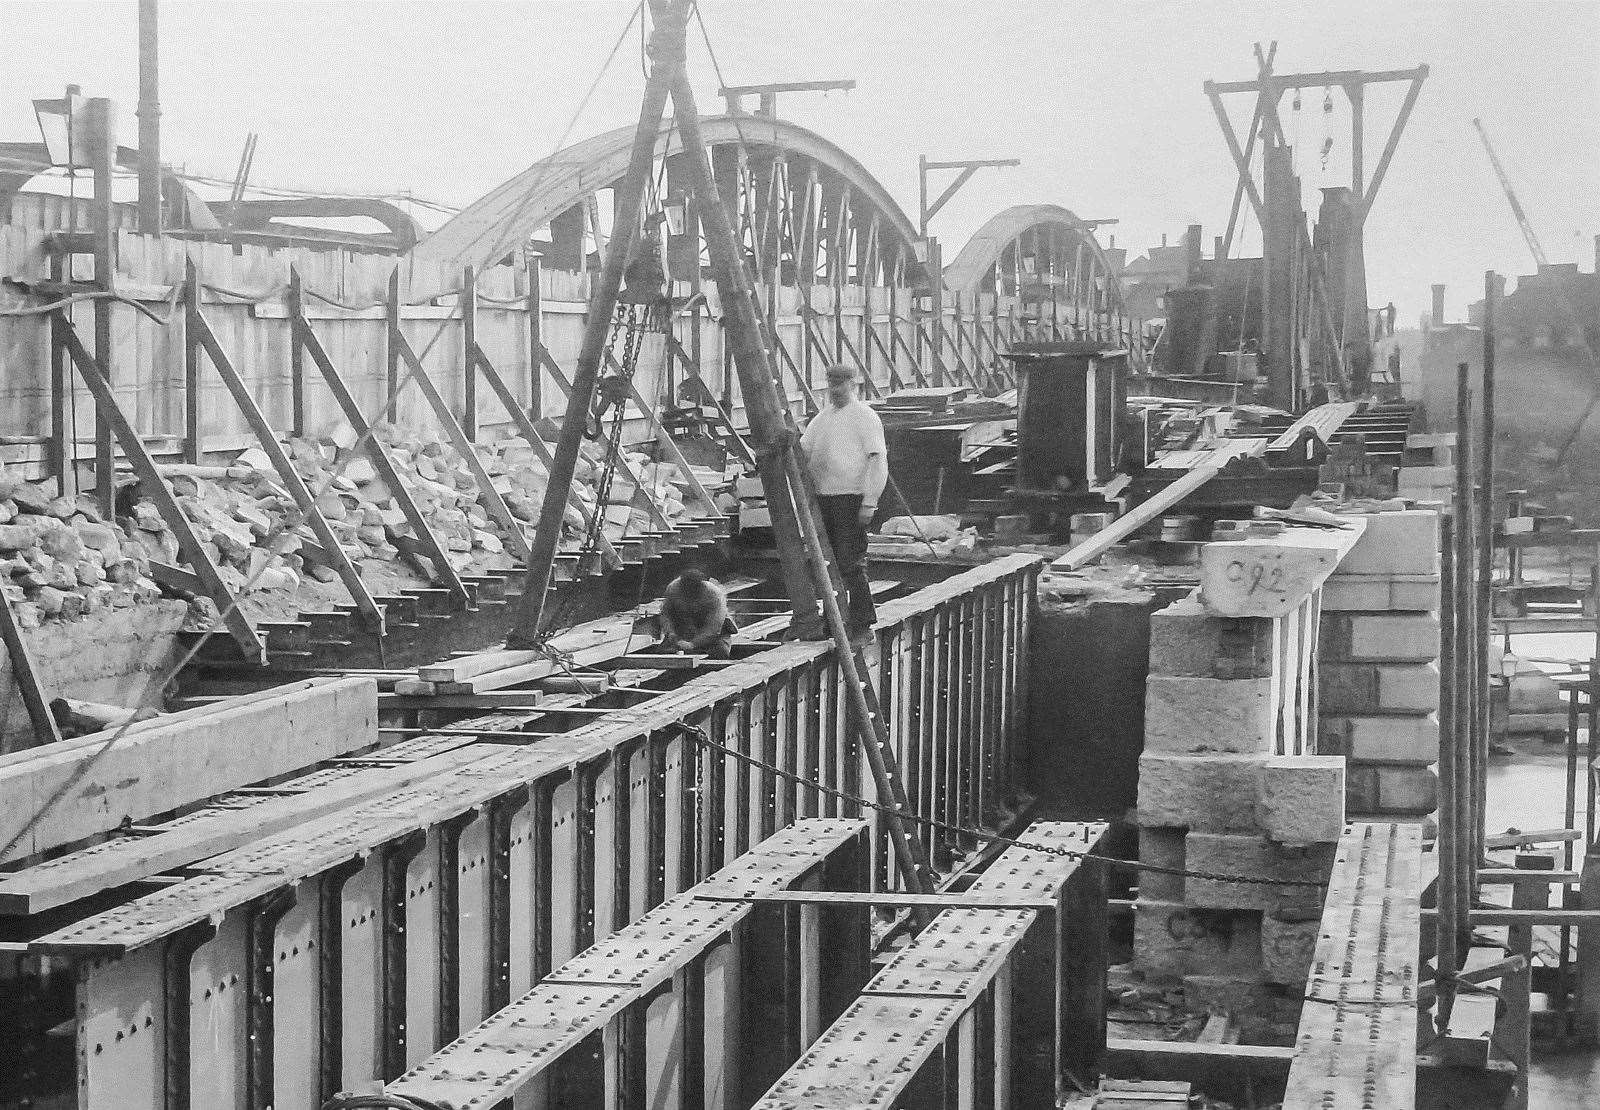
<point x="1511" y="196"/>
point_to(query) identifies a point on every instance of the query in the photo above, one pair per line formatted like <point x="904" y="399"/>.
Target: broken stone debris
<point x="59" y="560"/>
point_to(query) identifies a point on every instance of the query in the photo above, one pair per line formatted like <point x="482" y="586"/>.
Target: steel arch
<point x="809" y="212"/>
<point x="1047" y="257"/>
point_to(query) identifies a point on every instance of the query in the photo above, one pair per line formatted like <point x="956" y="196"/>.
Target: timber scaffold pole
<point x="666" y="52"/>
<point x="789" y="494"/>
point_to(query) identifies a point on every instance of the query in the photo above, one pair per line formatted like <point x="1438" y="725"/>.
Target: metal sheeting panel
<point x="1358" y="1028"/>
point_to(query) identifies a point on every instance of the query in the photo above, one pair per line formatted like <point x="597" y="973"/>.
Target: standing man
<point x="849" y="462"/>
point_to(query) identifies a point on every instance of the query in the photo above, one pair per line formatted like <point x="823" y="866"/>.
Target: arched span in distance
<point x="1049" y="258"/>
<point x="807" y="211"/>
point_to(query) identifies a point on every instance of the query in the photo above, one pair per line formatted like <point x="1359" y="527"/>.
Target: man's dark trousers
<point x="841" y="516"/>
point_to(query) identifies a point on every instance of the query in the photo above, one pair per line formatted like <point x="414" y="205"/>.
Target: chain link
<point x="698" y="734"/>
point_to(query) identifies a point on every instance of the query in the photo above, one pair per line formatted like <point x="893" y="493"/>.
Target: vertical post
<point x="788" y="492"/>
<point x="935" y="274"/>
<point x="1492" y="286"/>
<point x="191" y="362"/>
<point x="667" y="48"/>
<point x="1358" y="180"/>
<point x="1448" y="894"/>
<point x="297" y="356"/>
<point x="469" y="352"/>
<point x="1466" y="654"/>
<point x="102" y="155"/>
<point x="63" y="446"/>
<point x="149" y="119"/>
<point x="391" y="312"/>
<point x="535" y="308"/>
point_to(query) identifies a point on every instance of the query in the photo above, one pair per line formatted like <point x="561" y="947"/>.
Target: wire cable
<point x="698" y="734"/>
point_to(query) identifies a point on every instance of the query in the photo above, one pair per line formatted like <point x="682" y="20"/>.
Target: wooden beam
<point x="198" y="331"/>
<point x="493" y="503"/>
<point x="155" y="486"/>
<point x="1239" y="161"/>
<point x="1371" y="193"/>
<point x="1181" y="1058"/>
<point x="64" y="794"/>
<point x="1129" y="523"/>
<point x="1317" y="80"/>
<point x="89" y="871"/>
<point x="525" y="425"/>
<point x="1527" y="839"/>
<point x="444" y="573"/>
<point x="26" y="677"/>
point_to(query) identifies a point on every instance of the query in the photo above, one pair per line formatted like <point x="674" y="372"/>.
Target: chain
<point x="699" y="734"/>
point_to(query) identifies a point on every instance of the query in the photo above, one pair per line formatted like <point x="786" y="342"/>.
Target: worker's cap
<point x="839" y="372"/>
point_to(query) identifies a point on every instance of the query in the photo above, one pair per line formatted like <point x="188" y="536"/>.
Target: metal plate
<point x="494" y="1060"/>
<point x="868" y="1057"/>
<point x="1358" y="1027"/>
<point x="144" y="920"/>
<point x="954" y="957"/>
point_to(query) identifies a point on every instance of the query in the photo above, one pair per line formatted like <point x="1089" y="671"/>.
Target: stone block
<point x="1288" y="947"/>
<point x="1416" y="593"/>
<point x="1174" y="939"/>
<point x="1253" y="857"/>
<point x="1164" y="848"/>
<point x="1379" y="687"/>
<point x="1399" y="791"/>
<point x="1209" y="715"/>
<point x="1226" y="994"/>
<point x="1421" y="477"/>
<point x="1367" y="739"/>
<point x="1186" y="641"/>
<point x="1406" y="542"/>
<point x="1379" y="637"/>
<point x="1302" y="799"/>
<point x="1214" y="793"/>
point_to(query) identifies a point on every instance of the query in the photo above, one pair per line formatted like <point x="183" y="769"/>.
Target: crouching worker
<point x="694" y="617"/>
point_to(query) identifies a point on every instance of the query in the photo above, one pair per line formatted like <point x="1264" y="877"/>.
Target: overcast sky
<point x="1102" y="101"/>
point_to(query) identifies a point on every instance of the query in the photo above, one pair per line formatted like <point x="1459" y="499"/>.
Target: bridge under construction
<point x="349" y="758"/>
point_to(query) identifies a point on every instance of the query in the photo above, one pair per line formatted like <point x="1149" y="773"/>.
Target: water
<point x="1527" y="790"/>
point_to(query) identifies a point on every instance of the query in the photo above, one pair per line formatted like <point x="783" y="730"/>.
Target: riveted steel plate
<point x="496" y="1059"/>
<point x="648" y="951"/>
<point x="144" y="920"/>
<point x="1356" y="1048"/>
<point x="414" y="748"/>
<point x="867" y="1058"/>
<point x="955" y="956"/>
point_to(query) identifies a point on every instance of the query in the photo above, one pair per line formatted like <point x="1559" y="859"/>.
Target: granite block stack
<point x="1225" y="699"/>
<point x="1379" y="675"/>
<point x="1428" y="468"/>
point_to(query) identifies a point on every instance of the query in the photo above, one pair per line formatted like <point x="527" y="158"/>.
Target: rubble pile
<point x="62" y="561"/>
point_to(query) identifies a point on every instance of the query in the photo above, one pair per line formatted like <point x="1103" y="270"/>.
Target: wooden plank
<point x="1325" y="420"/>
<point x="1466" y="1039"/>
<point x="56" y="797"/>
<point x="1526" y="839"/>
<point x="1495" y="915"/>
<point x="113" y="863"/>
<point x="1181" y="1057"/>
<point x="1124" y="526"/>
